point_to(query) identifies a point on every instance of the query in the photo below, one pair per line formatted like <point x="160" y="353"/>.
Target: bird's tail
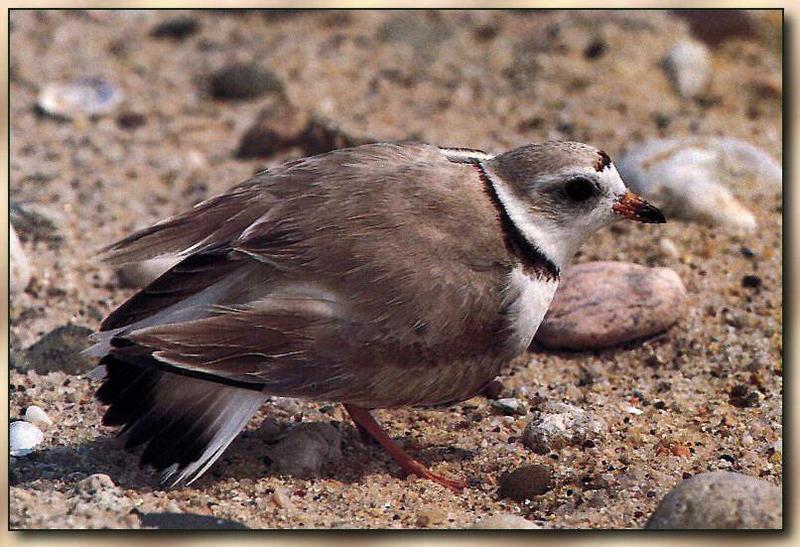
<point x="184" y="423"/>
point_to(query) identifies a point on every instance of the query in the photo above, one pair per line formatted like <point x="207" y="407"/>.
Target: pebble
<point x="278" y="126"/>
<point x="35" y="221"/>
<point x="85" y="97"/>
<point x="691" y="178"/>
<point x="510" y="406"/>
<point x="688" y="65"/>
<point x="603" y="304"/>
<point x="494" y="389"/>
<point x="504" y="521"/>
<point x="187" y="521"/>
<point x="427" y="517"/>
<point x="23" y="438"/>
<point x="38" y="417"/>
<point x="323" y="134"/>
<point x="423" y="33"/>
<point x="137" y="275"/>
<point x="59" y="350"/>
<point x="280" y="497"/>
<point x="176" y="28"/>
<point x="19" y="268"/>
<point x="558" y="425"/>
<point x="668" y="248"/>
<point x="751" y="282"/>
<point x="306" y="449"/>
<point x="719" y="500"/>
<point x="526" y="482"/>
<point x="244" y="81"/>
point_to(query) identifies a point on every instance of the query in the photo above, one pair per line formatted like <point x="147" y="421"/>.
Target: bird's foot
<point x="416" y="468"/>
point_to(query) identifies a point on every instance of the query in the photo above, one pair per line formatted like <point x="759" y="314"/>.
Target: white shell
<point x="38" y="417"/>
<point x="83" y="97"/>
<point x="23" y="437"/>
<point x="697" y="178"/>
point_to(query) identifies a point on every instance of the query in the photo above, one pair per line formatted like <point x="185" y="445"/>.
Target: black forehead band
<point x="603" y="161"/>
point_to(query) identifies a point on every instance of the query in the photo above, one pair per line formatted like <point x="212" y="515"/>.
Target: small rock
<point x="719" y="500"/>
<point x="751" y="282"/>
<point x="131" y="120"/>
<point x="504" y="521"/>
<point x="668" y="247"/>
<point x="510" y="406"/>
<point x="714" y="26"/>
<point x="596" y="49"/>
<point x="38" y="417"/>
<point x="494" y="389"/>
<point x="85" y="97"/>
<point x="94" y="484"/>
<point x="137" y="275"/>
<point x="59" y="350"/>
<point x="688" y="65"/>
<point x="244" y="81"/>
<point x="187" y="521"/>
<point x="307" y="449"/>
<point x="526" y="482"/>
<point x="19" y="269"/>
<point x="23" y="438"/>
<point x="743" y="397"/>
<point x="561" y="424"/>
<point x="602" y="304"/>
<point x="176" y="28"/>
<point x="422" y="31"/>
<point x="323" y="134"/>
<point x="279" y="126"/>
<point x="428" y="517"/>
<point x="280" y="497"/>
<point x="36" y="221"/>
<point x="691" y="178"/>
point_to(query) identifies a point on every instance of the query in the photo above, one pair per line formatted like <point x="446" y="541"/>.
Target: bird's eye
<point x="579" y="189"/>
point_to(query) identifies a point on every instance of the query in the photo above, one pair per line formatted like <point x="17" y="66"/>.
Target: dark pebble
<point x="244" y="81"/>
<point x="526" y="482"/>
<point x="177" y="28"/>
<point x="278" y="126"/>
<point x="59" y="349"/>
<point x="595" y="50"/>
<point x="746" y="252"/>
<point x="751" y="281"/>
<point x="741" y="396"/>
<point x="494" y="389"/>
<point x="130" y="120"/>
<point x="187" y="521"/>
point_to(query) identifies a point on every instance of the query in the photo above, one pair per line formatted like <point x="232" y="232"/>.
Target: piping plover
<point x="377" y="276"/>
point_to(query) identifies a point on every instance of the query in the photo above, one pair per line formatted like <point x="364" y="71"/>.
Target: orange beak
<point x="633" y="207"/>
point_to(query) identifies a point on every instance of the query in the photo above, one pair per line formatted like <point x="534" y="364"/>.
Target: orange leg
<point x="409" y="465"/>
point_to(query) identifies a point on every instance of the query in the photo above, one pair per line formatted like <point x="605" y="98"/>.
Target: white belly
<point x="529" y="298"/>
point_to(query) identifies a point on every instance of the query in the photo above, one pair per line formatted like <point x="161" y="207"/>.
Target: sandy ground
<point x="489" y="80"/>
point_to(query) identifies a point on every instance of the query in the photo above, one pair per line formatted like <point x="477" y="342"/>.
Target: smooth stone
<point x="561" y="424"/>
<point x="187" y="521"/>
<point x="59" y="350"/>
<point x="510" y="406"/>
<point x="137" y="275"/>
<point x="306" y="449"/>
<point x="23" y="437"/>
<point x="19" y="268"/>
<point x="603" y="304"/>
<point x="278" y="126"/>
<point x="176" y="28"/>
<point x="88" y="96"/>
<point x="693" y="178"/>
<point x="503" y="521"/>
<point x="719" y="500"/>
<point x="38" y="417"/>
<point x="35" y="221"/>
<point x="244" y="81"/>
<point x="688" y="65"/>
<point x="526" y="482"/>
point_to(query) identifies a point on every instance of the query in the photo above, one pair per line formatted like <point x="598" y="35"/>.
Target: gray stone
<point x="719" y="500"/>
<point x="560" y="424"/>
<point x="279" y="125"/>
<point x="694" y="178"/>
<point x="244" y="81"/>
<point x="602" y="304"/>
<point x="19" y="269"/>
<point x="59" y="350"/>
<point x="306" y="449"/>
<point x="510" y="406"/>
<point x="688" y="66"/>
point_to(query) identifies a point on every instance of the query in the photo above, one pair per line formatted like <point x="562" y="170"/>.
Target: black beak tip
<point x="650" y="215"/>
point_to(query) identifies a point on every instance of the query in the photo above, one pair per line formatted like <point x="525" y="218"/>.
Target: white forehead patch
<point x="609" y="178"/>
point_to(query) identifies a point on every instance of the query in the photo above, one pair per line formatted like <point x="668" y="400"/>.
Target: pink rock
<point x="602" y="304"/>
